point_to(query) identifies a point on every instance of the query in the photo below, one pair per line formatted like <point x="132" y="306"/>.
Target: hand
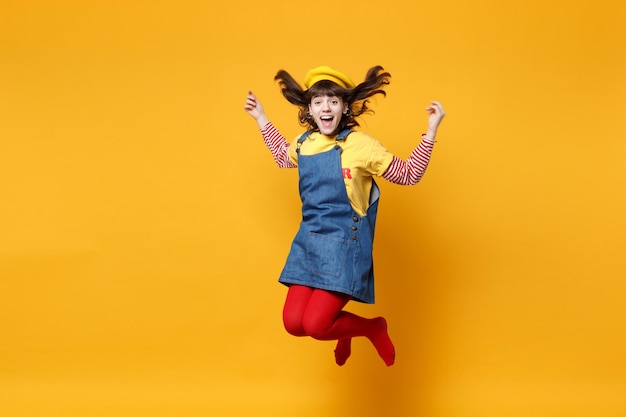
<point x="255" y="109"/>
<point x="435" y="114"/>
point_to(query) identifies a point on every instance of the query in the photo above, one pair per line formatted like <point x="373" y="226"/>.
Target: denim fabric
<point x="333" y="247"/>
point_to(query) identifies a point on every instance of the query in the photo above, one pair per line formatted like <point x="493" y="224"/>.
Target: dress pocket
<point x="326" y="255"/>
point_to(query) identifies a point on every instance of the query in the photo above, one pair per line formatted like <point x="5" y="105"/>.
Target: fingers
<point x="436" y="108"/>
<point x="251" y="101"/>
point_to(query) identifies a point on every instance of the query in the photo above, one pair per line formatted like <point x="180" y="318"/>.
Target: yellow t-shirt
<point x="361" y="158"/>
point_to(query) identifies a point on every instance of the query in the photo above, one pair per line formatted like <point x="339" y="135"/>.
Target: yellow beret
<point x="327" y="73"/>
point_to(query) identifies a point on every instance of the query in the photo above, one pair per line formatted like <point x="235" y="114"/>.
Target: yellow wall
<point x="143" y="223"/>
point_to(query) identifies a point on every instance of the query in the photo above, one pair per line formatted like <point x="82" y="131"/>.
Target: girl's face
<point x="326" y="111"/>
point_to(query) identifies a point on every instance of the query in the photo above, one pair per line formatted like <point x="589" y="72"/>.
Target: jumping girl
<point x="330" y="261"/>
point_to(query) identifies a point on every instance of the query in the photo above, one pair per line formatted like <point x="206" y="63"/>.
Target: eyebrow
<point x="324" y="95"/>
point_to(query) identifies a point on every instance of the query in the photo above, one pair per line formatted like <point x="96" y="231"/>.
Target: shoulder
<point x="363" y="141"/>
<point x="375" y="156"/>
<point x="357" y="134"/>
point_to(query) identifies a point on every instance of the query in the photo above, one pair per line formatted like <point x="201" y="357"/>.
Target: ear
<point x="345" y="108"/>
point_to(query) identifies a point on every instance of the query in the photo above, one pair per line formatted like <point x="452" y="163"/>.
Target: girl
<point x="330" y="262"/>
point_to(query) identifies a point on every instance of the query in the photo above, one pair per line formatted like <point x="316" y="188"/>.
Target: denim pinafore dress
<point x="332" y="249"/>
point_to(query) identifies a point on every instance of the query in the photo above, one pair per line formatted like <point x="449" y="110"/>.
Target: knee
<point x="315" y="328"/>
<point x="293" y="325"/>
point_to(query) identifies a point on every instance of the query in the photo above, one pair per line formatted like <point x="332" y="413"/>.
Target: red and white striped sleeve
<point x="278" y="146"/>
<point x="411" y="171"/>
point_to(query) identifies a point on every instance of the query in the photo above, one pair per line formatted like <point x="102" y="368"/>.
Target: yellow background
<point x="143" y="223"/>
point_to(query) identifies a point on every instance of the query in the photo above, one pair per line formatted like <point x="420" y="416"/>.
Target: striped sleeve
<point x="278" y="146"/>
<point x="411" y="171"/>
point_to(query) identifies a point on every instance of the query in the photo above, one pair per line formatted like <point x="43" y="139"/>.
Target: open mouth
<point x="327" y="121"/>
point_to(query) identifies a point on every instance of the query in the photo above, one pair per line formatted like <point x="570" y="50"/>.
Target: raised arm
<point x="274" y="140"/>
<point x="411" y="171"/>
<point x="435" y="114"/>
<point x="255" y="109"/>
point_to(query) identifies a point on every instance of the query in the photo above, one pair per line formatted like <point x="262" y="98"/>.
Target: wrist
<point x="429" y="136"/>
<point x="262" y="121"/>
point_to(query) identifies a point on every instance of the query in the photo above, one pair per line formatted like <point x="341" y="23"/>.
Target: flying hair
<point x="357" y="98"/>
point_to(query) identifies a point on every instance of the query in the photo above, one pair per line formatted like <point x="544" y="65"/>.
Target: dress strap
<point x="342" y="137"/>
<point x="343" y="134"/>
<point x="301" y="139"/>
<point x="305" y="135"/>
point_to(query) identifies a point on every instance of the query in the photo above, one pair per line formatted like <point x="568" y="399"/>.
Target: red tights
<point x="319" y="314"/>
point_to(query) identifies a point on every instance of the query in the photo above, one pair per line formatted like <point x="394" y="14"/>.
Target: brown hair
<point x="356" y="98"/>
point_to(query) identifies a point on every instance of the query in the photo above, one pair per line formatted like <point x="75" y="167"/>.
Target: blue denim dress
<point x="333" y="247"/>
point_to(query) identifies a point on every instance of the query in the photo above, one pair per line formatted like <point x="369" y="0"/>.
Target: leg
<point x="324" y="319"/>
<point x="298" y="297"/>
<point x="343" y="350"/>
<point x="297" y="300"/>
